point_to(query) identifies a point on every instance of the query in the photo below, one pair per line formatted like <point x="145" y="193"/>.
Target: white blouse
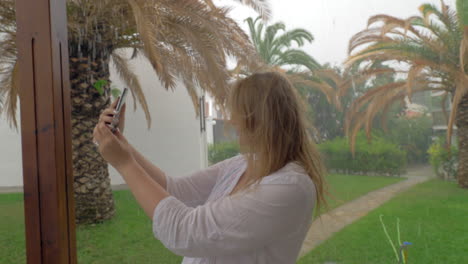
<point x="266" y="225"/>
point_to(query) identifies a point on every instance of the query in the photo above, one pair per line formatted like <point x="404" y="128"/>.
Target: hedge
<point x="221" y="151"/>
<point x="379" y="157"/>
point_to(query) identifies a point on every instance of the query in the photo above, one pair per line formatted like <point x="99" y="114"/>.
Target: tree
<point x="278" y="53"/>
<point x="328" y="117"/>
<point x="276" y="50"/>
<point x="347" y="86"/>
<point x="432" y="52"/>
<point x="183" y="40"/>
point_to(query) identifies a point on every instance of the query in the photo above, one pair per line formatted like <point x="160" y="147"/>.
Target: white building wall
<point x="210" y="122"/>
<point x="174" y="142"/>
<point x="211" y="119"/>
<point x="11" y="170"/>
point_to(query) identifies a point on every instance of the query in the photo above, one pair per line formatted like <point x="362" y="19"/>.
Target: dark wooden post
<point x="45" y="130"/>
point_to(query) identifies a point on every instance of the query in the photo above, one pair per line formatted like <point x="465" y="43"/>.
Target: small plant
<point x="99" y="86"/>
<point x="401" y="254"/>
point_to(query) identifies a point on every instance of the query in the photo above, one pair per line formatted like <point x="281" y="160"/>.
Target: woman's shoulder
<point x="230" y="162"/>
<point x="291" y="173"/>
<point x="297" y="188"/>
<point x="239" y="158"/>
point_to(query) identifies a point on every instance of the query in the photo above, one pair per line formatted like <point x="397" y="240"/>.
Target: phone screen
<point x="118" y="107"/>
<point x="121" y="100"/>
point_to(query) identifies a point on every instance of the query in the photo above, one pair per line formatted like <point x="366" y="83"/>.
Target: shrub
<point x="221" y="151"/>
<point x="413" y="135"/>
<point x="443" y="161"/>
<point x="379" y="157"/>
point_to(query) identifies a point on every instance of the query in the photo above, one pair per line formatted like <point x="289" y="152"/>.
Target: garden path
<point x="327" y="224"/>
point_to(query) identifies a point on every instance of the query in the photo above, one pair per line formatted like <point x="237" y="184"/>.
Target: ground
<point x="433" y="216"/>
<point x="128" y="238"/>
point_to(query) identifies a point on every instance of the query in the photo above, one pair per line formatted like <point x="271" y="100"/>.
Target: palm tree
<point x="183" y="40"/>
<point x="276" y="49"/>
<point x="433" y="50"/>
<point x="274" y="45"/>
<point x="328" y="117"/>
<point x="345" y="86"/>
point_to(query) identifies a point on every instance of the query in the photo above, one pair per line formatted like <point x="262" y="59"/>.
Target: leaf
<point x="129" y="77"/>
<point x="185" y="41"/>
<point x="276" y="49"/>
<point x="99" y="86"/>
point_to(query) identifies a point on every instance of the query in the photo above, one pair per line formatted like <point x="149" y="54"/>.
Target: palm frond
<point x="329" y="91"/>
<point x="412" y="74"/>
<point x="145" y="23"/>
<point x="261" y="6"/>
<point x="275" y="49"/>
<point x="190" y="41"/>
<point x="433" y="45"/>
<point x="362" y="101"/>
<point x="8" y="62"/>
<point x="381" y="103"/>
<point x="9" y="93"/>
<point x="300" y="36"/>
<point x="297" y="57"/>
<point x="130" y="79"/>
<point x="403" y="51"/>
<point x="255" y="30"/>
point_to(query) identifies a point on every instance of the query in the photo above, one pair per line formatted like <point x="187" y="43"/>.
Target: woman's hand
<point x="108" y="115"/>
<point x="112" y="146"/>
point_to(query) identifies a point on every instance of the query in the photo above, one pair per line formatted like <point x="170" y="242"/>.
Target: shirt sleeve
<point x="193" y="190"/>
<point x="233" y="224"/>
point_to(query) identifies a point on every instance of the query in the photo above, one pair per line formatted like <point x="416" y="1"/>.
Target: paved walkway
<point x="328" y="224"/>
<point x="14" y="189"/>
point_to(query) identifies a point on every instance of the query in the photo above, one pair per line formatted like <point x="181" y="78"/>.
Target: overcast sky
<point x="332" y="22"/>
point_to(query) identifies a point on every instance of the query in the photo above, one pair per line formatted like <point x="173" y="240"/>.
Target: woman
<point x="253" y="208"/>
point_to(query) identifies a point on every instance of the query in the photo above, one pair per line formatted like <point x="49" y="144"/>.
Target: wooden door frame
<point x="44" y="86"/>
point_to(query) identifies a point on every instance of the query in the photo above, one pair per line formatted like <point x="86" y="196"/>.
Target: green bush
<point x="443" y="161"/>
<point x="379" y="157"/>
<point x="221" y="151"/>
<point x="413" y="135"/>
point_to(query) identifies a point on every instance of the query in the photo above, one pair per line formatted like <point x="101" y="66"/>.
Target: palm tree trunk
<point x="93" y="193"/>
<point x="462" y="134"/>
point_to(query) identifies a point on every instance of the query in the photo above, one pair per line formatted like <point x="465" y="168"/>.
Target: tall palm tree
<point x="433" y="50"/>
<point x="183" y="40"/>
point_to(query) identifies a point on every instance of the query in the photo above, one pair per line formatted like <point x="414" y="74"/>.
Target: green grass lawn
<point x="433" y="216"/>
<point x="128" y="237"/>
<point x="345" y="188"/>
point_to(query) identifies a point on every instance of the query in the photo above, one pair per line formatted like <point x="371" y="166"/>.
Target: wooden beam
<point x="45" y="131"/>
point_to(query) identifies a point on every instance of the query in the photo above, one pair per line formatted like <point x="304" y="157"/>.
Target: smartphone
<point x="115" y="121"/>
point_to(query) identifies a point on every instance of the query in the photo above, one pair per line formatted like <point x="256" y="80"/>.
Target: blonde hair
<point x="272" y="118"/>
